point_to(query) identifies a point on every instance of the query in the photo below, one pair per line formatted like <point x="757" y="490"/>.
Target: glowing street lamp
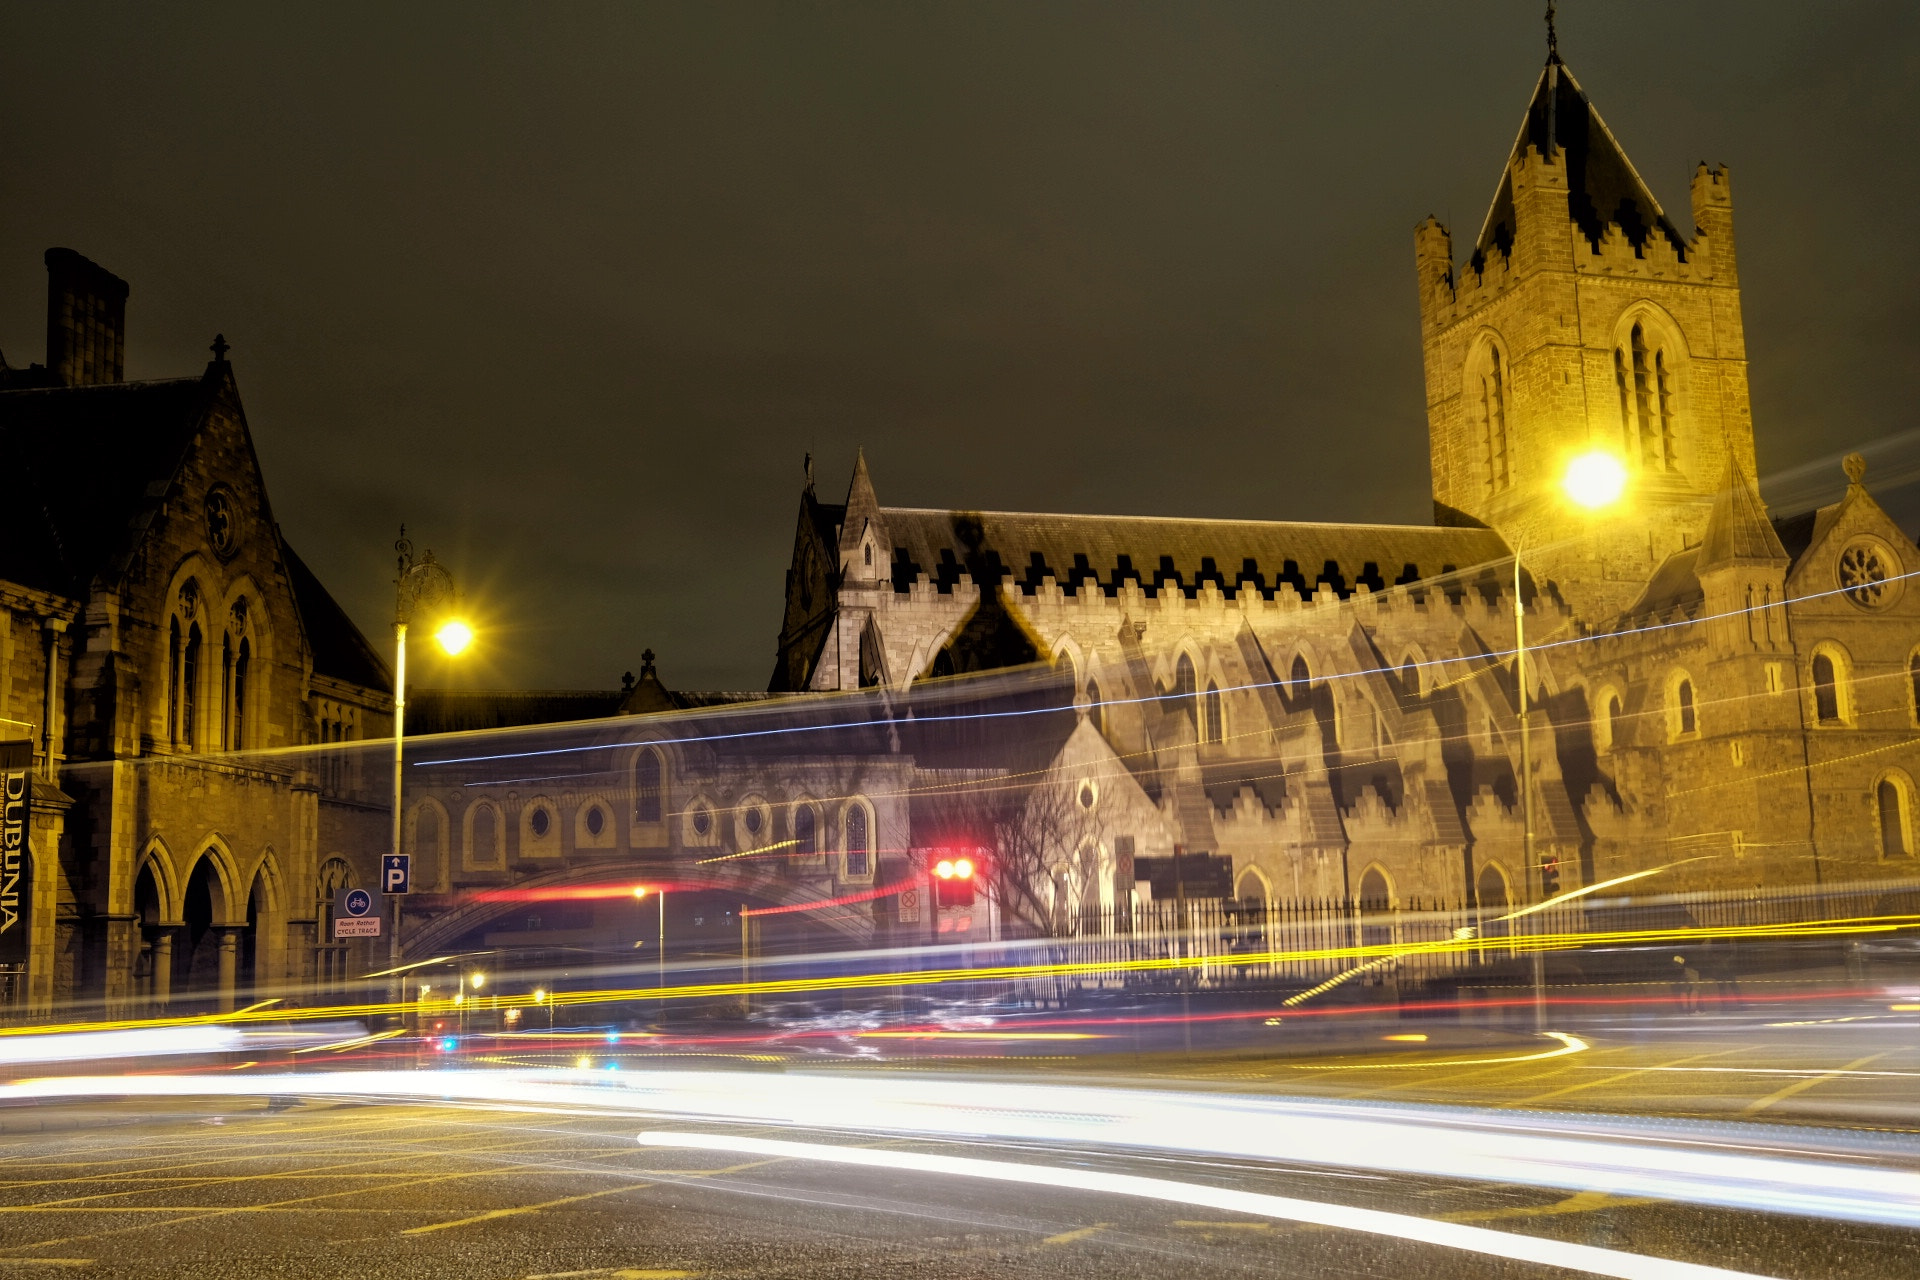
<point x="422" y="584"/>
<point x="1593" y="480"/>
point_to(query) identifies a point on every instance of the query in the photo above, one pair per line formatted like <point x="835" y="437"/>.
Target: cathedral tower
<point x="1584" y="319"/>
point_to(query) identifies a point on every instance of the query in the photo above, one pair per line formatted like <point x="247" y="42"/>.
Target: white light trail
<point x="1740" y="1166"/>
<point x="1397" y="1226"/>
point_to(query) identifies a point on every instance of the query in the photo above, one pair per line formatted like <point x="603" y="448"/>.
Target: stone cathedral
<point x="1726" y="695"/>
<point x="1721" y="697"/>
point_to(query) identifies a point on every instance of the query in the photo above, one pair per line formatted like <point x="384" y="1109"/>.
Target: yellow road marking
<point x="618" y="1273"/>
<point x="591" y="1195"/>
<point x="1068" y="1237"/>
<point x="1580" y="1202"/>
<point x="1612" y="1079"/>
<point x="1799" y="1086"/>
<point x="491" y="1214"/>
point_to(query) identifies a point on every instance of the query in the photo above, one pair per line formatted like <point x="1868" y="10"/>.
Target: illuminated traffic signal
<point x="1550" y="877"/>
<point x="953" y="881"/>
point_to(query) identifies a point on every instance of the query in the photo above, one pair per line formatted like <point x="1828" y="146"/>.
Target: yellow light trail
<point x="1373" y="954"/>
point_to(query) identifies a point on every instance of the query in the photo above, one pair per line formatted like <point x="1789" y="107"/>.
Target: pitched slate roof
<point x="339" y="649"/>
<point x="89" y="468"/>
<point x="1099" y="552"/>
<point x="1602" y="185"/>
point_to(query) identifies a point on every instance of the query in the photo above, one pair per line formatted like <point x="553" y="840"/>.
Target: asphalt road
<point x="322" y="1189"/>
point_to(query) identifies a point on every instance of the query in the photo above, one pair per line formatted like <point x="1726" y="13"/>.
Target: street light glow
<point x="1595" y="479"/>
<point x="454" y="636"/>
<point x="639" y="891"/>
<point x="478" y="980"/>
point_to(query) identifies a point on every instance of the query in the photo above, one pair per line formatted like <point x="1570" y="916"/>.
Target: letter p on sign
<point x="395" y="872"/>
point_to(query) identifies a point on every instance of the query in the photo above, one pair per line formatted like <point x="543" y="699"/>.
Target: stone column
<point x="229" y="966"/>
<point x="163" y="968"/>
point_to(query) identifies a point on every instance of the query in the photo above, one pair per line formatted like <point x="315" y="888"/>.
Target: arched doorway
<point x="1376" y="909"/>
<point x="255" y="959"/>
<point x="198" y="959"/>
<point x="1490" y="893"/>
<point x="153" y="971"/>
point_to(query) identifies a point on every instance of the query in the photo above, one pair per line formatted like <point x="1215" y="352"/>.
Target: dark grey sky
<point x="571" y="289"/>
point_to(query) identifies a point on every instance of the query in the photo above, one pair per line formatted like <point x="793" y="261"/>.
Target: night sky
<point x="572" y="289"/>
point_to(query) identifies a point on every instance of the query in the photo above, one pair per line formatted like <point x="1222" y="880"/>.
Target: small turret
<point x="863" y="540"/>
<point x="1433" y="267"/>
<point x="1712" y="192"/>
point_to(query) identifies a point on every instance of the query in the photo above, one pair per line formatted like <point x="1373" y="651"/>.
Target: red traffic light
<point x="954" y="868"/>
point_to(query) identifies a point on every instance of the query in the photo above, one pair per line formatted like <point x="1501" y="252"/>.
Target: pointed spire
<point x="1603" y="187"/>
<point x="1738" y="531"/>
<point x="863" y="515"/>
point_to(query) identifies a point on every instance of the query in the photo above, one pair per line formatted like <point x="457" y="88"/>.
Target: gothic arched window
<point x="1492" y="410"/>
<point x="649" y="774"/>
<point x="1097" y="712"/>
<point x="242" y="664"/>
<point x="1300" y="677"/>
<point x="1890" y="798"/>
<point x="859" y="842"/>
<point x="1826" y="691"/>
<point x="173" y="681"/>
<point x="226" y="692"/>
<point x="190" y="685"/>
<point x="1184" y="687"/>
<point x="1685" y="721"/>
<point x="1644" y="376"/>
<point x="1213" y="724"/>
<point x="806" y="832"/>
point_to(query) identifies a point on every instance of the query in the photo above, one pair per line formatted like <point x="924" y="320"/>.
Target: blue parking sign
<point x="396" y="871"/>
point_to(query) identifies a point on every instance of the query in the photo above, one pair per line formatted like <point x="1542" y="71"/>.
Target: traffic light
<point x="953" y="881"/>
<point x="1549" y="877"/>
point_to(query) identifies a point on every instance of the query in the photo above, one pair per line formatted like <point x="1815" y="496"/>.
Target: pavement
<point x="319" y="1188"/>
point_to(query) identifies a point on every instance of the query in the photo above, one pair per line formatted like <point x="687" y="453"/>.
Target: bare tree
<point x="1035" y="837"/>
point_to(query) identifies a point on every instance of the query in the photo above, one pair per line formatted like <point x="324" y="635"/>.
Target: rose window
<point x="1863" y="575"/>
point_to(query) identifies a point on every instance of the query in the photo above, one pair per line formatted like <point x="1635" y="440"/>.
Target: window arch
<point x="1299" y="676"/>
<point x="1376" y="908"/>
<point x="1646" y="377"/>
<point x="1488" y="394"/>
<point x="1683" y="711"/>
<point x="1606" y="719"/>
<point x="1213" y="726"/>
<point x="190" y="687"/>
<point x="1829" y="680"/>
<point x="242" y="671"/>
<point x="857" y="841"/>
<point x="649" y="797"/>
<point x="429" y="843"/>
<point x="1893" y="806"/>
<point x="1097" y="710"/>
<point x="806" y="835"/>
<point x="485" y="848"/>
<point x="173" y="680"/>
<point x="1184" y="686"/>
<point x="1493" y="896"/>
<point x="226" y="691"/>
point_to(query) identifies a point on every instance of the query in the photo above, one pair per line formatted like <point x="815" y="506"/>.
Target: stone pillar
<point x="229" y="966"/>
<point x="162" y="968"/>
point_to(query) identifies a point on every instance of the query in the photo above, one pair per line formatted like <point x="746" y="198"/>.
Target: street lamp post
<point x="422" y="584"/>
<point x="1593" y="480"/>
